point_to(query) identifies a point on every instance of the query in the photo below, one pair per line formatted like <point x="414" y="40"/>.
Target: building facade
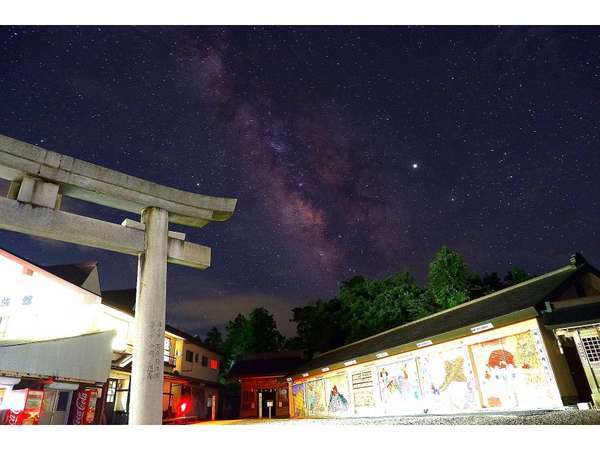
<point x="535" y="345"/>
<point x="66" y="350"/>
<point x="264" y="386"/>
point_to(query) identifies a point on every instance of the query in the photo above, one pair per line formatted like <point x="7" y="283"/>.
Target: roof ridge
<point x="462" y="305"/>
<point x="84" y="263"/>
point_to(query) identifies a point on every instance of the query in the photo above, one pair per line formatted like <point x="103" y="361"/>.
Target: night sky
<point x="351" y="150"/>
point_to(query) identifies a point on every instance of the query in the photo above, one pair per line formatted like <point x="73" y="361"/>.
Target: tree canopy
<point x="363" y="307"/>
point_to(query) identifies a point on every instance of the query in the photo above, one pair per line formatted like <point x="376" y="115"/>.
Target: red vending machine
<point x="24" y="407"/>
<point x="83" y="407"/>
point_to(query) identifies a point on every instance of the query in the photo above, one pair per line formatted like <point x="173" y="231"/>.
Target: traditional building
<point x="535" y="345"/>
<point x="66" y="351"/>
<point x="264" y="383"/>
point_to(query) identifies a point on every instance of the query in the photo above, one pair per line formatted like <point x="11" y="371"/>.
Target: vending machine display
<point x="24" y="407"/>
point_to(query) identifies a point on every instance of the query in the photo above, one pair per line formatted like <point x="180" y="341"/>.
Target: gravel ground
<point x="566" y="417"/>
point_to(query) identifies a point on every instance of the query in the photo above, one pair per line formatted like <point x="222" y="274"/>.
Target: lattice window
<point x="592" y="348"/>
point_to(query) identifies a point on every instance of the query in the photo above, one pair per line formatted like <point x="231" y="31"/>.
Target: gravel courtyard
<point x="566" y="417"/>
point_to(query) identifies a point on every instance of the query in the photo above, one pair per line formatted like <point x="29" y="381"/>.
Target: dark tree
<point x="318" y="327"/>
<point x="492" y="282"/>
<point x="449" y="278"/>
<point x="372" y="306"/>
<point x="516" y="275"/>
<point x="214" y="339"/>
<point x="263" y="333"/>
<point x="236" y="341"/>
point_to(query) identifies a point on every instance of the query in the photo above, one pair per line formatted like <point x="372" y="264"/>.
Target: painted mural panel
<point x="298" y="396"/>
<point x="362" y="390"/>
<point x="399" y="387"/>
<point x="316" y="404"/>
<point x="338" y="395"/>
<point x="447" y="381"/>
<point x="512" y="372"/>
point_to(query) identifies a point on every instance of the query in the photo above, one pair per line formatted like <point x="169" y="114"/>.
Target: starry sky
<point x="351" y="150"/>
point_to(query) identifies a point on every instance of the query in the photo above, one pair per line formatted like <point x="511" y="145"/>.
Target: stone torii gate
<point x="40" y="178"/>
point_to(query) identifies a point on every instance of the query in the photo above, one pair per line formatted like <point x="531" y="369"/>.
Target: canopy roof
<point x="83" y="358"/>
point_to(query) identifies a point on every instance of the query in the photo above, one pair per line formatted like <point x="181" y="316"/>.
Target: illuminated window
<point x="167" y="354"/>
<point x="111" y="391"/>
<point x="214" y="364"/>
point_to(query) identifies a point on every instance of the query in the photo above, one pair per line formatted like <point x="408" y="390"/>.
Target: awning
<point x="84" y="358"/>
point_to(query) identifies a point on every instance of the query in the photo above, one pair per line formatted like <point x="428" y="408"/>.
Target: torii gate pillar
<point x="148" y="365"/>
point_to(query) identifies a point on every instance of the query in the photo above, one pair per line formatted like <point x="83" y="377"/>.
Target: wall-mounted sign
<point x="381" y="355"/>
<point x="480" y="328"/>
<point x="423" y="344"/>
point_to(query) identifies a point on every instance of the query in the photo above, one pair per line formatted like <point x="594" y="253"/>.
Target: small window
<point x="592" y="348"/>
<point x="214" y="364"/>
<point x="196" y="358"/>
<point x="63" y="400"/>
<point x="189" y="356"/>
<point x="204" y="361"/>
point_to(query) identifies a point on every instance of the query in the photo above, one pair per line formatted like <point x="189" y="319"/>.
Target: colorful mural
<point x="298" y="398"/>
<point x="513" y="373"/>
<point x="362" y="390"/>
<point x="316" y="404"/>
<point x="448" y="381"/>
<point x="338" y="395"/>
<point x="399" y="387"/>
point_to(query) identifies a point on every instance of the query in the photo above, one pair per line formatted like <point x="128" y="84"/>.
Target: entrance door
<point x="268" y="397"/>
<point x="55" y="407"/>
<point x="582" y="385"/>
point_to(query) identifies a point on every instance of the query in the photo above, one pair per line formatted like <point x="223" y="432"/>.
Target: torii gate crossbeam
<point x="38" y="180"/>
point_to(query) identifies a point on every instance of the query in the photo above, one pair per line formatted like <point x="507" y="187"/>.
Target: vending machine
<point x="83" y="407"/>
<point x="23" y="406"/>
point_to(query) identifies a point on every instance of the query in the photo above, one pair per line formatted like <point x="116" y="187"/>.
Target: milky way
<point x="352" y="150"/>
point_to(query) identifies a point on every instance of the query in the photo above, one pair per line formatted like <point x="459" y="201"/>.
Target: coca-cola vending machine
<point x="83" y="407"/>
<point x="24" y="407"/>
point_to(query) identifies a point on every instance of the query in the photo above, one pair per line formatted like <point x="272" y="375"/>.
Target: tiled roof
<point x="274" y="364"/>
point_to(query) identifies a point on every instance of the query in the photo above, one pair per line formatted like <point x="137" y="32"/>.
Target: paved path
<point x="567" y="417"/>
